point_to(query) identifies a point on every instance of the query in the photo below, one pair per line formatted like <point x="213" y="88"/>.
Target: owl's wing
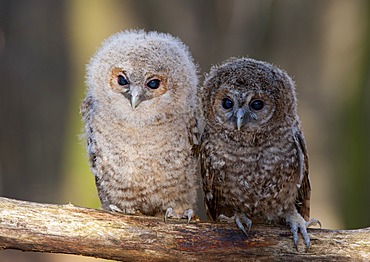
<point x="304" y="187"/>
<point x="194" y="135"/>
<point x="86" y="112"/>
<point x="212" y="181"/>
<point x="86" y="106"/>
<point x="211" y="193"/>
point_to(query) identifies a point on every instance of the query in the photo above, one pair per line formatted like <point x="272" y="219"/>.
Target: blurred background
<point x="44" y="46"/>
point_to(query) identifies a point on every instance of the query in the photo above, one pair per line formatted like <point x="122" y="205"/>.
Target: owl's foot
<point x="243" y="219"/>
<point x="116" y="209"/>
<point x="225" y="219"/>
<point x="239" y="219"/>
<point x="188" y="214"/>
<point x="296" y="222"/>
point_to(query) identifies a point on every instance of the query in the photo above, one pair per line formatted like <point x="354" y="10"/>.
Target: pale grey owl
<point x="254" y="162"/>
<point x="140" y="125"/>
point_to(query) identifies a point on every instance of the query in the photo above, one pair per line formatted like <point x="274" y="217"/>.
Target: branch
<point x="69" y="229"/>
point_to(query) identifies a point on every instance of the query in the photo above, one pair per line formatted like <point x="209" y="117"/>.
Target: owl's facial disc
<point x="238" y="111"/>
<point x="135" y="88"/>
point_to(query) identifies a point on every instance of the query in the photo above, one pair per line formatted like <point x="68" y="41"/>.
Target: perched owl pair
<point x="148" y="126"/>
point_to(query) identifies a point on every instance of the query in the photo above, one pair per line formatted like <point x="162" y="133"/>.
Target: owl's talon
<point x="296" y="222"/>
<point x="225" y="219"/>
<point x="313" y="222"/>
<point x="114" y="208"/>
<point x="239" y="220"/>
<point x="306" y="238"/>
<point x="240" y="225"/>
<point x="294" y="230"/>
<point x="246" y="221"/>
<point x="188" y="214"/>
<point x="169" y="213"/>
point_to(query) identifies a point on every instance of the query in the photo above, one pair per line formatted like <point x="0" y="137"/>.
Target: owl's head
<point x="142" y="75"/>
<point x="248" y="95"/>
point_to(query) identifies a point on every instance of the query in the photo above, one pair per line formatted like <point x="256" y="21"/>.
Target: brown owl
<point x="254" y="162"/>
<point x="140" y="125"/>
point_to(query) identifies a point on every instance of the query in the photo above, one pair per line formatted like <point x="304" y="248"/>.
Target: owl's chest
<point x="258" y="170"/>
<point x="143" y="151"/>
<point x="250" y="159"/>
<point x="257" y="179"/>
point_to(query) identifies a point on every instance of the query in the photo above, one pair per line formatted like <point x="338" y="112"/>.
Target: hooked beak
<point x="239" y="118"/>
<point x="244" y="115"/>
<point x="135" y="97"/>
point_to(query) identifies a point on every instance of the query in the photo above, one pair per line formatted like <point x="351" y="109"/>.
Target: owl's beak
<point x="244" y="116"/>
<point x="240" y="118"/>
<point x="135" y="97"/>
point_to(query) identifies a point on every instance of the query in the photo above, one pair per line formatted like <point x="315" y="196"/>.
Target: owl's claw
<point x="188" y="214"/>
<point x="126" y="211"/>
<point x="168" y="214"/>
<point x="313" y="222"/>
<point x="225" y="219"/>
<point x="294" y="230"/>
<point x="296" y="222"/>
<point x="114" y="208"/>
<point x="239" y="220"/>
<point x="245" y="220"/>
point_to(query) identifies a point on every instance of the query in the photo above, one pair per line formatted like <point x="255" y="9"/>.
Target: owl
<point x="253" y="155"/>
<point x="140" y="126"/>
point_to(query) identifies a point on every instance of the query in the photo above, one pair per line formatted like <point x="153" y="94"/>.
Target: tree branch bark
<point x="68" y="229"/>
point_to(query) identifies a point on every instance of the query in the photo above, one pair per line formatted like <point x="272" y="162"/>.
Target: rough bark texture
<point x="69" y="229"/>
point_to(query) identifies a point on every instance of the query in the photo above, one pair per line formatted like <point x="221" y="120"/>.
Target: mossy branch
<point x="68" y="229"/>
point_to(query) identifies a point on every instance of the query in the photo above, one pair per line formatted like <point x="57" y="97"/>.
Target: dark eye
<point x="227" y="103"/>
<point x="256" y="104"/>
<point x="153" y="84"/>
<point x="122" y="81"/>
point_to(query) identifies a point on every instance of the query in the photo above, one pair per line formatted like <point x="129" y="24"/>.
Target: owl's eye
<point x="257" y="104"/>
<point x="122" y="81"/>
<point x="153" y="84"/>
<point x="227" y="103"/>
